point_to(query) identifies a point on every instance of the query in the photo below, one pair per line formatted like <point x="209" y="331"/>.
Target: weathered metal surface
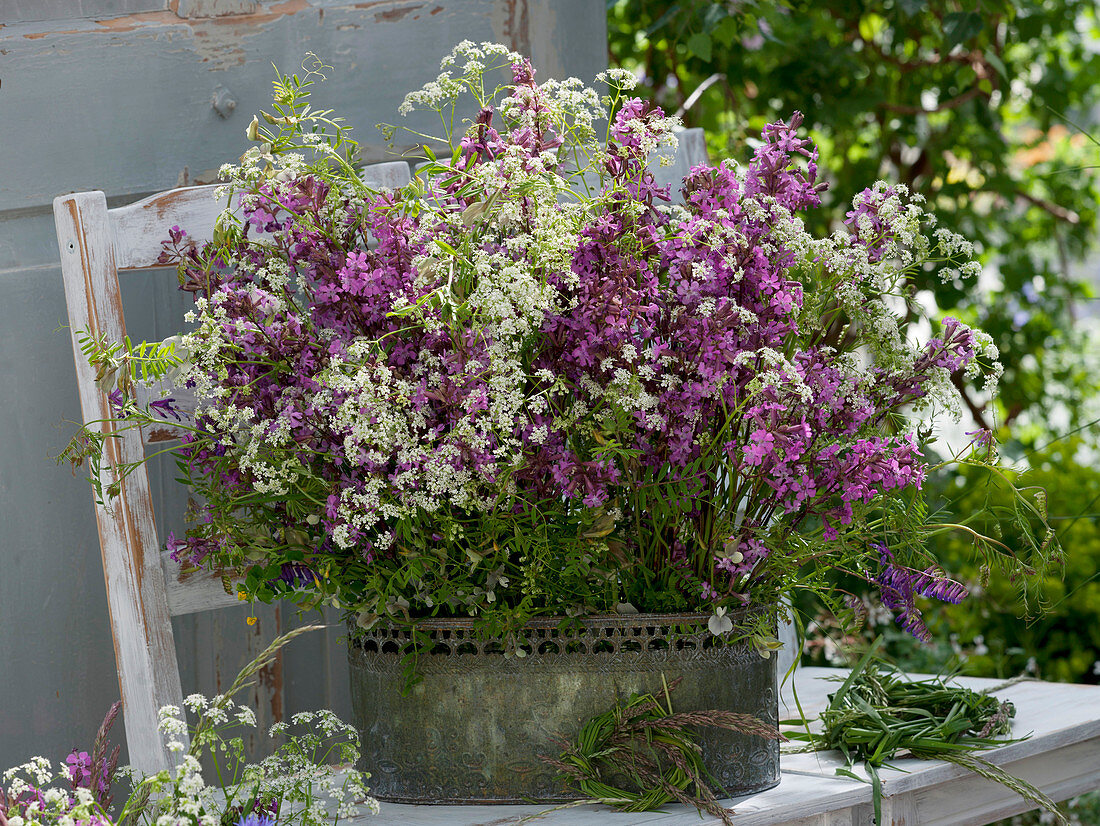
<point x="473" y="729"/>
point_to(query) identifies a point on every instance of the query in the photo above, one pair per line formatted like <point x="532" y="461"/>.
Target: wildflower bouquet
<point x="532" y="382"/>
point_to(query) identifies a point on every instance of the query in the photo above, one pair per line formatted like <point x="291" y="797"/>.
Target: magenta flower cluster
<point x="386" y="374"/>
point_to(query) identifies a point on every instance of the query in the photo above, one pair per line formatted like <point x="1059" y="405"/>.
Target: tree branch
<point x="953" y="103"/>
<point x="1061" y="213"/>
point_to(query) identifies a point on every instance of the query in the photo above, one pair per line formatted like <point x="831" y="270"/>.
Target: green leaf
<point x="960" y="26"/>
<point x="715" y="13"/>
<point x="699" y="44"/>
<point x="999" y="65"/>
<point x="870" y="25"/>
<point x="849" y="773"/>
<point x="725" y="32"/>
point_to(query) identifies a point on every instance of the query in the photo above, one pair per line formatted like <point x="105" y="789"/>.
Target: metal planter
<point x="473" y="729"/>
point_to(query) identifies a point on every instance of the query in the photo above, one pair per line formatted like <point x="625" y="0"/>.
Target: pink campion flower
<point x="80" y="768"/>
<point x="803" y="488"/>
<point x="760" y="446"/>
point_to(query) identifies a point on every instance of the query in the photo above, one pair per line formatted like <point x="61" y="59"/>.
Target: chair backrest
<point x="145" y="589"/>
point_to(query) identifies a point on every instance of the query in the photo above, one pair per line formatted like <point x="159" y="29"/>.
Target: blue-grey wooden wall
<point x="120" y="95"/>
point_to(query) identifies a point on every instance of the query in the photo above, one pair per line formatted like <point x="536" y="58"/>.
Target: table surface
<point x="1061" y="756"/>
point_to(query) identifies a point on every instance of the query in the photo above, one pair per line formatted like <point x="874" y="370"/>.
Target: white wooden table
<point x="1062" y="757"/>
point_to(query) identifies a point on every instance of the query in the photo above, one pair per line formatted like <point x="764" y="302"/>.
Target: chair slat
<point x="140" y="228"/>
<point x="140" y="622"/>
<point x="391" y="174"/>
<point x="192" y="592"/>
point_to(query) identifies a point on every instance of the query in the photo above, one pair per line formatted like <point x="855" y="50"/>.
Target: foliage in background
<point x="961" y="103"/>
<point x="996" y="634"/>
<point x="1062" y="643"/>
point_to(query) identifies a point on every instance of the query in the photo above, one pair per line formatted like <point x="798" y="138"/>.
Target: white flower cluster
<point x="445" y="88"/>
<point x="259" y="164"/>
<point x="261" y="447"/>
<point x="619" y="79"/>
<point x="774" y="370"/>
<point x="47" y="805"/>
<point x="301" y="773"/>
<point x="302" y="765"/>
<point x="901" y="215"/>
<point x="657" y="133"/>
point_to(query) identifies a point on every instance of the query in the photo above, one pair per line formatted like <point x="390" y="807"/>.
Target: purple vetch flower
<point x="296" y="573"/>
<point x="257" y="819"/>
<point x="981" y="439"/>
<point x="118" y="402"/>
<point x="900" y="586"/>
<point x="165" y="408"/>
<point x="191" y="549"/>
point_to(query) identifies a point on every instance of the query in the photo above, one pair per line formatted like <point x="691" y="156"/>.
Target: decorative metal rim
<point x="601" y="638"/>
<point x="587" y="621"/>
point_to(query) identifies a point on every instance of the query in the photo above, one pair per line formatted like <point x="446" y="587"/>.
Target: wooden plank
<point x="801" y="800"/>
<point x="1062" y="773"/>
<point x="189" y="593"/>
<point x="140" y="622"/>
<point x="390" y="174"/>
<point x="139" y="229"/>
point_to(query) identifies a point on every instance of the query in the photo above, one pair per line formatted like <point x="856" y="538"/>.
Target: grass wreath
<point x="640" y="754"/>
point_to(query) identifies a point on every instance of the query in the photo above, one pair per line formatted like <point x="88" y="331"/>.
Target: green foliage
<point x="1063" y="642"/>
<point x="298" y="127"/>
<point x="878" y="715"/>
<point x="963" y="105"/>
<point x="640" y="754"/>
<point x="1000" y="630"/>
<point x="120" y="364"/>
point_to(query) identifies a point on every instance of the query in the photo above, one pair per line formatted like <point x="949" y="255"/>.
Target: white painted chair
<point x="144" y="587"/>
